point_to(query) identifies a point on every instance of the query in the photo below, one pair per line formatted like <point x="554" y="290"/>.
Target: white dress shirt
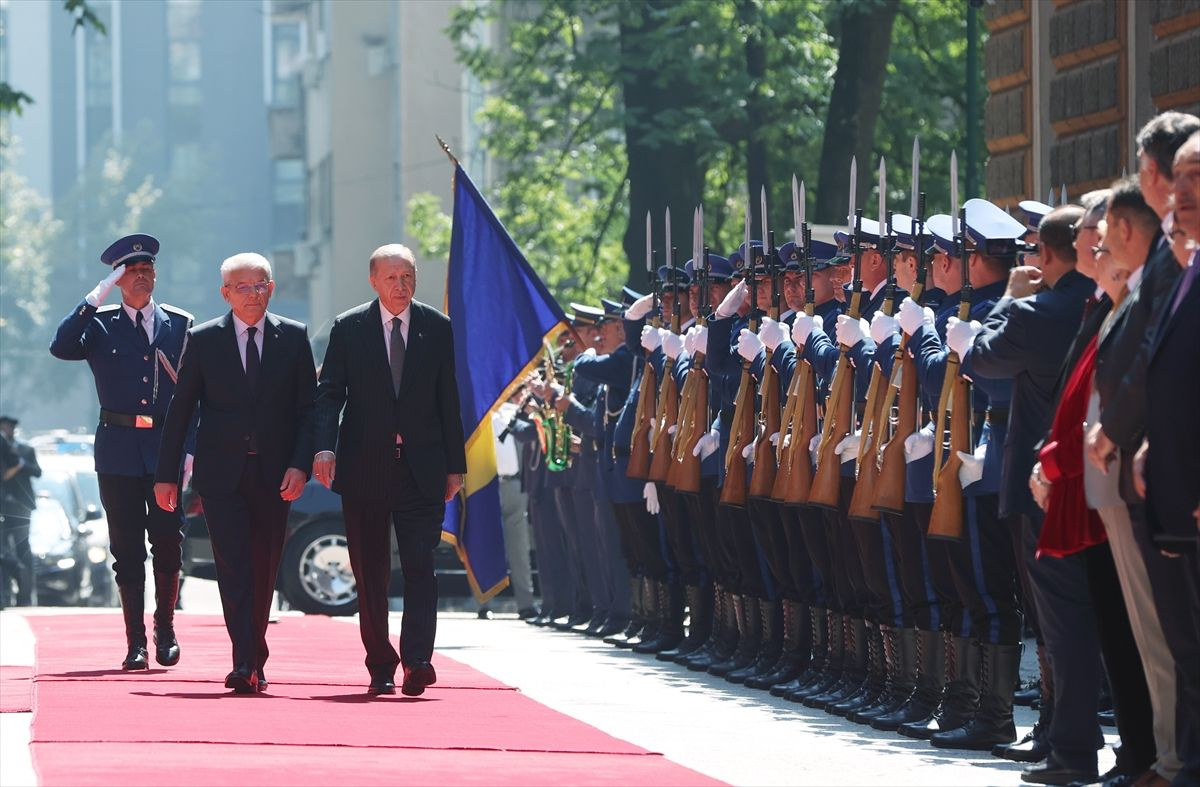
<point x="239" y="328"/>
<point x="147" y="317"/>
<point x="507" y="462"/>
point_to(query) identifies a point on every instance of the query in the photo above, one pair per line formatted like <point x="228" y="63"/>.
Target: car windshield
<point x="57" y="484"/>
<point x="89" y="488"/>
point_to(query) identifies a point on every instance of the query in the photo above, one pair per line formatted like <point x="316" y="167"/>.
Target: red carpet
<point x="16" y="689"/>
<point x="315" y="725"/>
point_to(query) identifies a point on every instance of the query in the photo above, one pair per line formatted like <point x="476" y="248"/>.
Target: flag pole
<point x="446" y="149"/>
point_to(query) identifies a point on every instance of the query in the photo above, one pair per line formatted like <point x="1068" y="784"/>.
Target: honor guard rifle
<point x="639" y="443"/>
<point x="693" y="408"/>
<point x="769" y="415"/>
<point x="667" y="413"/>
<point x="745" y="410"/>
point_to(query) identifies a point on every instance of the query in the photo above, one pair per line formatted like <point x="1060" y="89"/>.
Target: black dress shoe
<point x="416" y="677"/>
<point x="242" y="680"/>
<point x="1051" y="771"/>
<point x="485" y="614"/>
<point x="136" y="658"/>
<point x="382" y="684"/>
<point x="528" y="613"/>
<point x="262" y="682"/>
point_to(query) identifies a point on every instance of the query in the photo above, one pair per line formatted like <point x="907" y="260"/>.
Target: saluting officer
<point x="134" y="350"/>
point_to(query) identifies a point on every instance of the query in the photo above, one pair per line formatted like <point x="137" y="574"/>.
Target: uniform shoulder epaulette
<point x="179" y="311"/>
<point x="108" y="308"/>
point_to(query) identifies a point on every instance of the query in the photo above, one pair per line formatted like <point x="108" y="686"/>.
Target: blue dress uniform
<point x="135" y="379"/>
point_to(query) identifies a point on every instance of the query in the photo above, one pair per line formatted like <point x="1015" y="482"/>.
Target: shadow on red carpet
<point x="315" y="724"/>
<point x="16" y="689"/>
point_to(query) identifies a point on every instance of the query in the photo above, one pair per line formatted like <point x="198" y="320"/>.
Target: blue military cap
<point x="738" y="259"/>
<point x="1034" y="212"/>
<point x="612" y="308"/>
<point x="790" y="256"/>
<point x="138" y="247"/>
<point x="826" y="255"/>
<point x="586" y="315"/>
<point x="681" y="281"/>
<point x="904" y="228"/>
<point x="719" y="268"/>
<point x="941" y="230"/>
<point x="629" y="295"/>
<point x="991" y="230"/>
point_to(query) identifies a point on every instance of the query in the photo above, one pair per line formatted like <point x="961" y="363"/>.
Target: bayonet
<point x="916" y="176"/>
<point x="797" y="213"/>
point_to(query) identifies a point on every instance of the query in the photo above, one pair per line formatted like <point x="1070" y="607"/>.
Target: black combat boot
<point x="797" y="648"/>
<point x="960" y="697"/>
<point x="854" y="666"/>
<point x="749" y="627"/>
<point x="670" y="623"/>
<point x="770" y="643"/>
<point x="900" y="665"/>
<point x="724" y="639"/>
<point x="133" y="608"/>
<point x="815" y="646"/>
<point x="829" y="673"/>
<point x="874" y="683"/>
<point x="700" y="616"/>
<point x="166" y="593"/>
<point x="651" y="615"/>
<point x="637" y="619"/>
<point x="992" y="724"/>
<point x="1035" y="746"/>
<point x="923" y="699"/>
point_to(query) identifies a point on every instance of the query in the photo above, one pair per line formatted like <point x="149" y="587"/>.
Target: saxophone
<point x="558" y="433"/>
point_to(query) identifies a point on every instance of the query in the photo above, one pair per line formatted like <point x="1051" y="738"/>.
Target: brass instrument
<point x="558" y="433"/>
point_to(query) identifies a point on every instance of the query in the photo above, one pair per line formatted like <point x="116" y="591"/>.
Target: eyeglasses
<point x="1075" y="230"/>
<point x="259" y="288"/>
<point x="1099" y="251"/>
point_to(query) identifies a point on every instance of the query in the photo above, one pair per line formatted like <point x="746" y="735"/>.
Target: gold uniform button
<point x="143" y="401"/>
<point x="145" y="379"/>
<point x="145" y="357"/>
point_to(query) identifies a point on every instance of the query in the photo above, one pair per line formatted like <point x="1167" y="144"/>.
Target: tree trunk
<point x="665" y="170"/>
<point x="757" y="162"/>
<point x="865" y="37"/>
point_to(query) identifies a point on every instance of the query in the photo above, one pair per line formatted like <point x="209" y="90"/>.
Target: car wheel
<point x="315" y="574"/>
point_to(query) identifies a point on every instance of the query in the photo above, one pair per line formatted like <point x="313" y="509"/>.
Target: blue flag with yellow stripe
<point x="502" y="315"/>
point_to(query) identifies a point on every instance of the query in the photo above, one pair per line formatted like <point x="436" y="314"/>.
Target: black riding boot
<point x="873" y="686"/>
<point x="960" y="696"/>
<point x="637" y="618"/>
<point x="133" y="608"/>
<point x="797" y="648"/>
<point x="830" y="671"/>
<point x="854" y="666"/>
<point x="900" y="664"/>
<point x="814" y="651"/>
<point x="651" y="614"/>
<point x="1035" y="746"/>
<point x="770" y="644"/>
<point x="700" y="614"/>
<point x="166" y="593"/>
<point x="724" y="639"/>
<point x="670" y="619"/>
<point x="992" y="724"/>
<point x="749" y="627"/>
<point x="923" y="700"/>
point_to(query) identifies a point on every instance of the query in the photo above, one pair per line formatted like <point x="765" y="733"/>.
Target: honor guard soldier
<point x="134" y="350"/>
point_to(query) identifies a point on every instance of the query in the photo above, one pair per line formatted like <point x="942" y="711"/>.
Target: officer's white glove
<point x="558" y="389"/>
<point x="689" y="345"/>
<point x="912" y="316"/>
<point x="772" y="333"/>
<point x="650" y="493"/>
<point x="101" y="290"/>
<point x="813" y="445"/>
<point x="775" y="439"/>
<point x="748" y="451"/>
<point x="651" y="338"/>
<point x="700" y="339"/>
<point x="187" y="471"/>
<point x="733" y="301"/>
<point x="749" y="345"/>
<point x="589" y="352"/>
<point x="672" y="429"/>
<point x="672" y="344"/>
<point x="851" y="331"/>
<point x="640" y="308"/>
<point x="847" y="448"/>
<point x="803" y="327"/>
<point x="883" y="327"/>
<point x="972" y="466"/>
<point x="919" y="444"/>
<point x="960" y="335"/>
<point x="707" y="444"/>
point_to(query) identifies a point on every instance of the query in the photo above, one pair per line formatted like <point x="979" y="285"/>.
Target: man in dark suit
<point x="18" y="467"/>
<point x="251" y="374"/>
<point x="389" y="437"/>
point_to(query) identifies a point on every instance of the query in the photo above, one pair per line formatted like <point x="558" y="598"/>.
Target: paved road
<point x="733" y="734"/>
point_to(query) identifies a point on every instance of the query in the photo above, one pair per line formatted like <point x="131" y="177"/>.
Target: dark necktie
<point x="251" y="358"/>
<point x="396" y="355"/>
<point x="140" y="324"/>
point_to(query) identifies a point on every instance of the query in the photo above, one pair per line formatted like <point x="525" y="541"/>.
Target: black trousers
<point x="133" y="517"/>
<point x="681" y="537"/>
<point x="738" y="534"/>
<point x="941" y="554"/>
<point x="643" y="531"/>
<point x="580" y="599"/>
<point x="1122" y="663"/>
<point x="853" y="592"/>
<point x="591" y="555"/>
<point x="768" y="532"/>
<point x="984" y="574"/>
<point x="919" y="601"/>
<point x="551" y="552"/>
<point x="811" y="526"/>
<point x="417" y="523"/>
<point x="720" y="563"/>
<point x="247" y="528"/>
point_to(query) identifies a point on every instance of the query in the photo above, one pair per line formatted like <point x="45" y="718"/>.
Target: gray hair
<point x="245" y="261"/>
<point x="392" y="251"/>
<point x="1095" y="204"/>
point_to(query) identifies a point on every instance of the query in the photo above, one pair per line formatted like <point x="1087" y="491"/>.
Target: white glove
<point x="851" y="331"/>
<point x="733" y="301"/>
<point x="101" y="290"/>
<point x="589" y="352"/>
<point x="919" y="444"/>
<point x="847" y="449"/>
<point x="972" y="466"/>
<point x="651" y="338"/>
<point x="813" y="445"/>
<point x="749" y="345"/>
<point x="558" y="389"/>
<point x="707" y="444"/>
<point x="650" y="493"/>
<point x="672" y="344"/>
<point x="188" y="459"/>
<point x="772" y="333"/>
<point x="960" y="335"/>
<point x="803" y="327"/>
<point x="672" y="429"/>
<point x="883" y="327"/>
<point x="689" y="345"/>
<point x="775" y="438"/>
<point x="912" y="316"/>
<point x="748" y="451"/>
<point x="640" y="308"/>
<point x="700" y="339"/>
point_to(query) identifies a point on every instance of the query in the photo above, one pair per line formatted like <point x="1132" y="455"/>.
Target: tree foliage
<point x="13" y="100"/>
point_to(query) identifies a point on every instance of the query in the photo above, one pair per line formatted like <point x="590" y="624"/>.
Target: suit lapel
<point x="376" y="349"/>
<point x="271" y="359"/>
<point x="1167" y="320"/>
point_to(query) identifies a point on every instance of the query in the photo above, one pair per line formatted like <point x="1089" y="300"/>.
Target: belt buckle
<point x="398" y="452"/>
<point x="143" y="422"/>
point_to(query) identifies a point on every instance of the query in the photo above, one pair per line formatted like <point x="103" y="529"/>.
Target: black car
<point x="314" y="572"/>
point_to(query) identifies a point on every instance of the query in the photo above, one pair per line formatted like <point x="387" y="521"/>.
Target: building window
<point x="287" y="60"/>
<point x="288" y="208"/>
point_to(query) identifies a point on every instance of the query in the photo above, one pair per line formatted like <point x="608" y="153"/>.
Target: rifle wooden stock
<point x="839" y="420"/>
<point x="639" y="444"/>
<point x="874" y="421"/>
<point x="946" y="521"/>
<point x="794" y="479"/>
<point x="667" y="416"/>
<point x="681" y="425"/>
<point x="765" y="463"/>
<point x="694" y="426"/>
<point x="742" y="432"/>
<point x="892" y="463"/>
